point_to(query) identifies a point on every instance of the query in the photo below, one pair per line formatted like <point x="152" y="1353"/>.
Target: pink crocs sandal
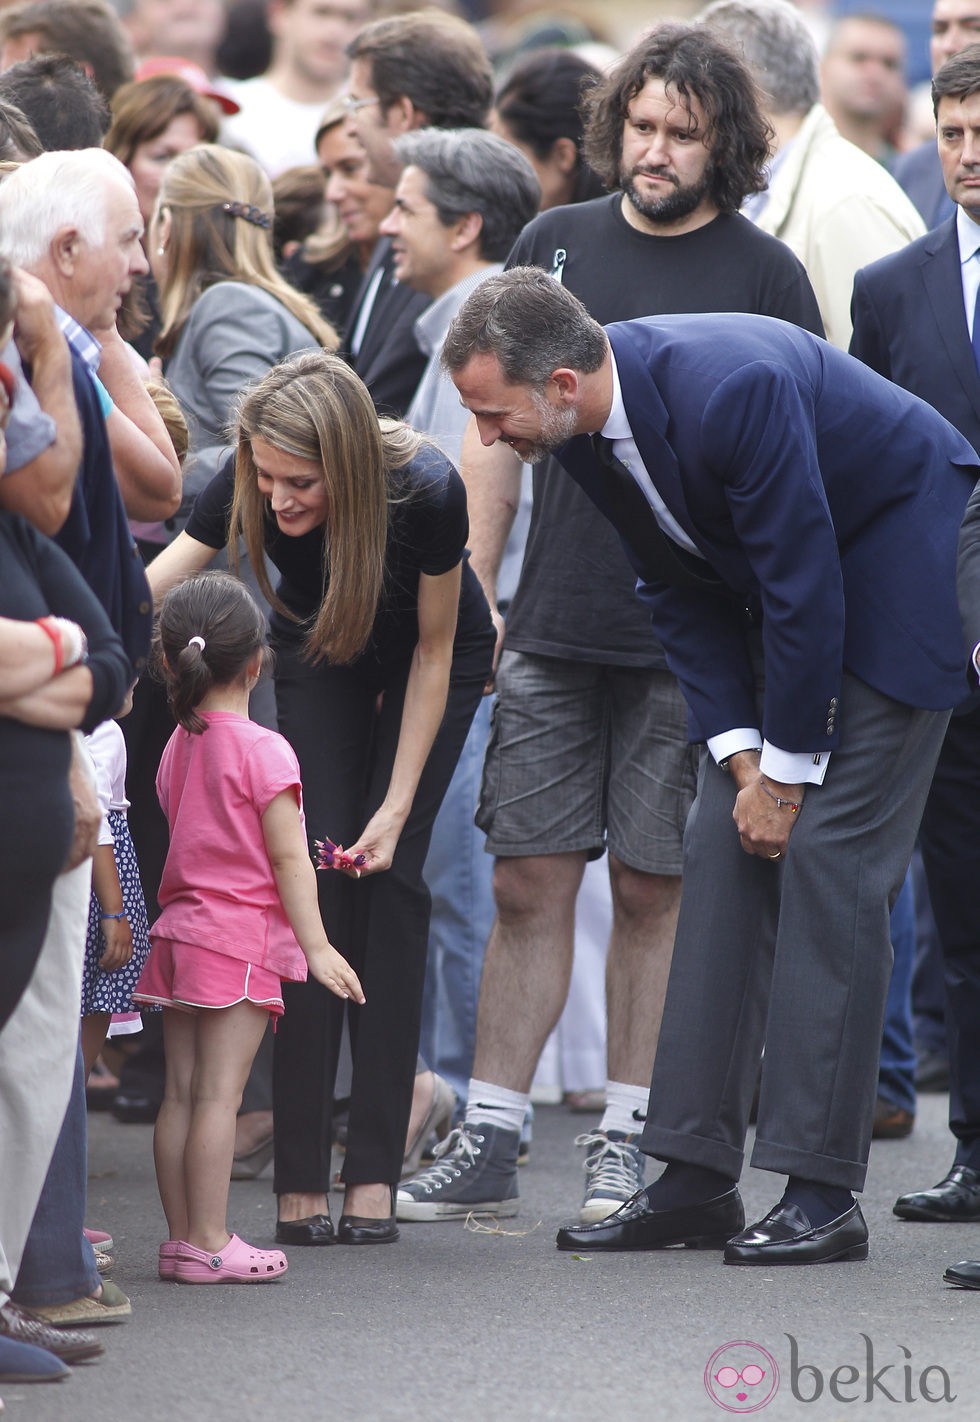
<point x="169" y="1250"/>
<point x="237" y="1263"/>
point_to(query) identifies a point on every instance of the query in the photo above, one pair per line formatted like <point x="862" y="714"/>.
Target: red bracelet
<point x="45" y="624"/>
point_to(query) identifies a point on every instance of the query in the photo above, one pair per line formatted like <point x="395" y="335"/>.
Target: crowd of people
<point x="421" y="479"/>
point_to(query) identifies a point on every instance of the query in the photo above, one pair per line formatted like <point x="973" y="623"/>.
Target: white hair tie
<point x="197" y="642"/>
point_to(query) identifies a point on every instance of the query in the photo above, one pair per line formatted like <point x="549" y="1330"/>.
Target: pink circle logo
<point x="741" y="1377"/>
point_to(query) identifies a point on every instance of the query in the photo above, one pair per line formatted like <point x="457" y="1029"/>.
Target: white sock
<point x="622" y="1100"/>
<point x="487" y="1104"/>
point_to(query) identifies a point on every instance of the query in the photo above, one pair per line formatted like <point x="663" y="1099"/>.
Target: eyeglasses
<point x="751" y="1375"/>
<point x="352" y="105"/>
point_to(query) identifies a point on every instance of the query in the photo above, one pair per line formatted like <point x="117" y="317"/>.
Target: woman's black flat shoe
<point x="318" y="1229"/>
<point x="356" y="1229"/>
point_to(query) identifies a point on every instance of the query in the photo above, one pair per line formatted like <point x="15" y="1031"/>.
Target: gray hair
<point x="777" y="46"/>
<point x="530" y="323"/>
<point x="469" y="170"/>
<point x="54" y="191"/>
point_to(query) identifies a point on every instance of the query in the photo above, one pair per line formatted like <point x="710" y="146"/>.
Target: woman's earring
<point x="161" y="250"/>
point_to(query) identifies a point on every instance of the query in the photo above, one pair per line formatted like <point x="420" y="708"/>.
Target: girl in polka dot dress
<point x="117" y="943"/>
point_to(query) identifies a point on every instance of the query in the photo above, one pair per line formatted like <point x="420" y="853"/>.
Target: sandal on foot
<point x="167" y="1258"/>
<point x="237" y="1263"/>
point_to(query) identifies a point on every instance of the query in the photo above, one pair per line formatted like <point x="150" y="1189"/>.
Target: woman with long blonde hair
<point x="227" y="314"/>
<point x="383" y="645"/>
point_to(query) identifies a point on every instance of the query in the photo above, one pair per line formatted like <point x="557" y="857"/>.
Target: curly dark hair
<point x="693" y="63"/>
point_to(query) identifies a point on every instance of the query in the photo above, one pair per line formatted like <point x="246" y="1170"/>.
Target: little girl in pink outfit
<point x="239" y="912"/>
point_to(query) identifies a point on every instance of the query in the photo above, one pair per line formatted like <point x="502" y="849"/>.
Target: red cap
<point x="192" y="74"/>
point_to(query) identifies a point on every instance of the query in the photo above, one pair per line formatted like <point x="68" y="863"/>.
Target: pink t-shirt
<point x="218" y="889"/>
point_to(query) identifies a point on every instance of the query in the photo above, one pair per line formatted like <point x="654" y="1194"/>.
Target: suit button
<point x="139" y="663"/>
<point x="833" y="703"/>
<point x="144" y="608"/>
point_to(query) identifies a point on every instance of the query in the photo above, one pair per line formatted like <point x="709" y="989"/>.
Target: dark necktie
<point x="663" y="560"/>
<point x="976" y="319"/>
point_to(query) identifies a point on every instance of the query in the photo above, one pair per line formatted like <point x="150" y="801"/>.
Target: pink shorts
<point x="187" y="977"/>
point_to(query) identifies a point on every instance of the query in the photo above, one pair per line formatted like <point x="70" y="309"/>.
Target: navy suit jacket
<point x="910" y="326"/>
<point x="827" y="500"/>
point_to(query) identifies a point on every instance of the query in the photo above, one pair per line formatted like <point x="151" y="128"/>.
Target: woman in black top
<point x="383" y="644"/>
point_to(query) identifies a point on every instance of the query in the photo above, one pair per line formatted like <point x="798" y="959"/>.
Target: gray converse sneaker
<point x="615" y="1169"/>
<point x="474" y="1172"/>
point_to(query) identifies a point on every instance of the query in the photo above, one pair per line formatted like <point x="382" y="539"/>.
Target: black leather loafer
<point x="786" y="1236"/>
<point x="636" y="1225"/>
<point x="318" y="1229"/>
<point x="956" y="1198"/>
<point x="966" y="1274"/>
<point x="356" y="1229"/>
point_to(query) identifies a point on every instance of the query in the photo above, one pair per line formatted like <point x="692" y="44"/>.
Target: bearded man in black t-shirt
<point x="589" y="746"/>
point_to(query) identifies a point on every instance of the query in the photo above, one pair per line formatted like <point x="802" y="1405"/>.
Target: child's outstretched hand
<point x="119" y="944"/>
<point x="333" y="970"/>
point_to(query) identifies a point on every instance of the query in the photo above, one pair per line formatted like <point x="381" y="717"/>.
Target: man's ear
<point x="273" y="17"/>
<point x="468" y="229"/>
<point x="565" y="154"/>
<point x="404" y="113"/>
<point x="568" y="383"/>
<point x="63" y="250"/>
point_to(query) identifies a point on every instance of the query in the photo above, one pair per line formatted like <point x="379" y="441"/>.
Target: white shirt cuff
<point x="793" y="767"/>
<point x="975" y="659"/>
<point x="731" y="742"/>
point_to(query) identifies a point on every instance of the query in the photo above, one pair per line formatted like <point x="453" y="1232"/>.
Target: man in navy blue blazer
<point x="915" y="322"/>
<point x="792" y="519"/>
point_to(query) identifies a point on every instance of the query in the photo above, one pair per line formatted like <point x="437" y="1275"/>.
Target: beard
<point x="673" y="206"/>
<point x="557" y="426"/>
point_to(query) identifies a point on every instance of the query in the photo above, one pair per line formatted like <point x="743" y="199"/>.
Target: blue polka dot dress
<point x="101" y="991"/>
<point x="113" y="992"/>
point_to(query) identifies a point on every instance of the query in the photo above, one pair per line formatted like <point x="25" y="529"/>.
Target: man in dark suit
<point x="792" y="519"/>
<point x="419" y="70"/>
<point x="955" y="25"/>
<point x="914" y="318"/>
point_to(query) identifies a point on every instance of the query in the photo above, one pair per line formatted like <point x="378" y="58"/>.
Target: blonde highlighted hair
<point x="208" y="243"/>
<point x="314" y="407"/>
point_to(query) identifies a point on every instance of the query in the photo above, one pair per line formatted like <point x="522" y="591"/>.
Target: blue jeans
<point x="896" y="1070"/>
<point x="459" y="874"/>
<point x="58" y="1264"/>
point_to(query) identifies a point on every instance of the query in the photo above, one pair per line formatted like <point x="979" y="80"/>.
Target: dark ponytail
<point x="208" y="629"/>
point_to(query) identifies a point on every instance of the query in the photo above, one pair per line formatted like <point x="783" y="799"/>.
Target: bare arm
<point x="296" y="882"/>
<point x="178" y="561"/>
<point x="27" y="657"/>
<point x="422" y="713"/>
<point x="117" y="931"/>
<point x="146" y="464"/>
<point x="492" y="475"/>
<point x="59" y="705"/>
<point x="88" y="811"/>
<point x="42" y="488"/>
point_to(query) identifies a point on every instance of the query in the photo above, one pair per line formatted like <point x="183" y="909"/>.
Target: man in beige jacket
<point x="830" y="202"/>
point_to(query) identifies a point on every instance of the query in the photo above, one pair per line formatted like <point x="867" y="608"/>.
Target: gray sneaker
<point x="615" y="1169"/>
<point x="474" y="1172"/>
